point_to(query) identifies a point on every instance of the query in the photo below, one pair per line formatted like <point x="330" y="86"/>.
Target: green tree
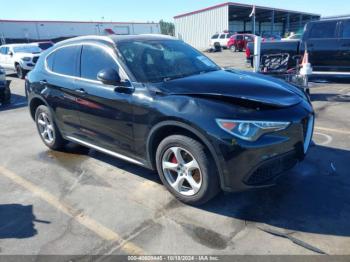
<point x="167" y="28"/>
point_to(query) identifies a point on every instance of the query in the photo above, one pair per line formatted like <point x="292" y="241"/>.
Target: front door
<point x="322" y="46"/>
<point x="106" y="115"/>
<point x="344" y="43"/>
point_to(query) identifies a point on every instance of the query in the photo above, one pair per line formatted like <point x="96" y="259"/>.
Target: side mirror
<point x="109" y="77"/>
<point x="10" y="53"/>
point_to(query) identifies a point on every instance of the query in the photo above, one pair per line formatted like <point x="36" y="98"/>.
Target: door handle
<point x="80" y="91"/>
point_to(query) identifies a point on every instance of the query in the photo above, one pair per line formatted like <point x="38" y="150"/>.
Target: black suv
<point x="157" y="102"/>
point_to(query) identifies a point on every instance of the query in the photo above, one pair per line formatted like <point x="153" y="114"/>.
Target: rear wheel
<point x="186" y="169"/>
<point x="233" y="48"/>
<point x="47" y="129"/>
<point x="21" y="73"/>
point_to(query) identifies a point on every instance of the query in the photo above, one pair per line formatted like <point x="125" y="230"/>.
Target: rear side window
<point x="346" y="29"/>
<point x="239" y="37"/>
<point x="93" y="60"/>
<point x="323" y="30"/>
<point x="215" y="36"/>
<point x="64" y="61"/>
<point x="222" y="36"/>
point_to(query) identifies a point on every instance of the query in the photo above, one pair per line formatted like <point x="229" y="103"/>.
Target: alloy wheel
<point x="182" y="171"/>
<point x="46" y="128"/>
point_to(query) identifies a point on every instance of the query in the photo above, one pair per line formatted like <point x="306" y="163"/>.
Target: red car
<point x="238" y="42"/>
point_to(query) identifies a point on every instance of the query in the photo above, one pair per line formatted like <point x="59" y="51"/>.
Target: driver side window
<point x="93" y="60"/>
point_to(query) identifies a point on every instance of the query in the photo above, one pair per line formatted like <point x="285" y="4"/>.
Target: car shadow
<point x="314" y="197"/>
<point x="74" y="154"/>
<point x="17" y="101"/>
<point x="17" y="221"/>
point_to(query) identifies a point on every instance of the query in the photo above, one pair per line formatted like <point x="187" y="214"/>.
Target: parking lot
<point x="85" y="202"/>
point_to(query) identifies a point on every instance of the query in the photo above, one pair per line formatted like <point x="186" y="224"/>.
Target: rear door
<point x="322" y="44"/>
<point x="61" y="92"/>
<point x="344" y="43"/>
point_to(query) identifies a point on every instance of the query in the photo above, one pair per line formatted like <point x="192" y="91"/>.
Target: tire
<point x="21" y="73"/>
<point x="204" y="176"/>
<point x="54" y="141"/>
<point x="233" y="48"/>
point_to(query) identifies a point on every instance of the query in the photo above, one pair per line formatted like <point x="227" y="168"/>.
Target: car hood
<point x="23" y="54"/>
<point x="237" y="85"/>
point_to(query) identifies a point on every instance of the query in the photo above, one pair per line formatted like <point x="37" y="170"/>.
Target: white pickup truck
<point x="19" y="58"/>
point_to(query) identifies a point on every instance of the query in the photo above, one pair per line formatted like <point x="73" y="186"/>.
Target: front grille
<point x="35" y="59"/>
<point x="271" y="169"/>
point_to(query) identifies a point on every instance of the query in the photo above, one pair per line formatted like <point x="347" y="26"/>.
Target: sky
<point x="147" y="10"/>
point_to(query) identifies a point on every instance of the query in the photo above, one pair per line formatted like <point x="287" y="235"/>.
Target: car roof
<point x="115" y="39"/>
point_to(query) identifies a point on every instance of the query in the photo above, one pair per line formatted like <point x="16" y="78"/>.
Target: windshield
<point x="27" y="49"/>
<point x="163" y="60"/>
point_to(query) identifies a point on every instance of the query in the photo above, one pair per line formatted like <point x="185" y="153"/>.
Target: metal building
<point x="197" y="27"/>
<point x="30" y="31"/>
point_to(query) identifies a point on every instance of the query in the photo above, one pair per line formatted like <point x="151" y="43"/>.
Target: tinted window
<point x="346" y="29"/>
<point x="229" y="35"/>
<point x="93" y="60"/>
<point x="4" y="50"/>
<point x="215" y="37"/>
<point x="323" y="30"/>
<point x="65" y="60"/>
<point x="239" y="37"/>
<point x="222" y="36"/>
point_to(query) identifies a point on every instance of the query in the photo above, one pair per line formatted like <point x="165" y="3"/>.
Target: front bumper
<point x="247" y="165"/>
<point x="27" y="66"/>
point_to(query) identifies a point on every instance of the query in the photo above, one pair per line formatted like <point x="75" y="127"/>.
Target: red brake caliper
<point x="174" y="160"/>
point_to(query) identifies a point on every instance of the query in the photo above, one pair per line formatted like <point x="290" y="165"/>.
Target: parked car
<point x="222" y="39"/>
<point x="19" y="58"/>
<point x="238" y="42"/>
<point x="327" y="42"/>
<point x="157" y="102"/>
<point x="5" y="94"/>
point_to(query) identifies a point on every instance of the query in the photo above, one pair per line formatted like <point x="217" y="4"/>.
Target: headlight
<point x="26" y="59"/>
<point x="250" y="130"/>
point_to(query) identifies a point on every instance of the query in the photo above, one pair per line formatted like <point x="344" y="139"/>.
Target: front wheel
<point x="233" y="48"/>
<point x="47" y="129"/>
<point x="21" y="73"/>
<point x="187" y="170"/>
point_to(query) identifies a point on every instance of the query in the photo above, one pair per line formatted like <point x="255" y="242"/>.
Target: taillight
<point x="247" y="52"/>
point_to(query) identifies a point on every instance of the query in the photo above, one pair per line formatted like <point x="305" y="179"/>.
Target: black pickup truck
<point x="327" y="42"/>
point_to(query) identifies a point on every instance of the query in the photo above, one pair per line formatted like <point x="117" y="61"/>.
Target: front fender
<point x="193" y="130"/>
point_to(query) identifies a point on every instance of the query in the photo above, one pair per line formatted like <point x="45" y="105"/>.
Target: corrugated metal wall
<point x="197" y="29"/>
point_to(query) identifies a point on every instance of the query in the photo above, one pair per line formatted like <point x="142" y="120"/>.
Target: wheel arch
<point x="172" y="127"/>
<point x="34" y="103"/>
